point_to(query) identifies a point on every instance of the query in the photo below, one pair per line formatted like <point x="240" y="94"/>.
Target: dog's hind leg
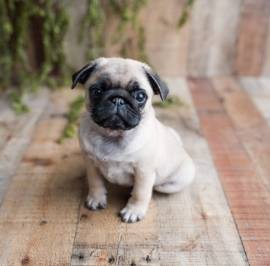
<point x="179" y="180"/>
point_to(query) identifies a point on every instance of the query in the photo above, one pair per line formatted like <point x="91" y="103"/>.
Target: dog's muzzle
<point x="117" y="112"/>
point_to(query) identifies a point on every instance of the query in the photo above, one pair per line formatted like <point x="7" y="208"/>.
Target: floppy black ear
<point x="83" y="74"/>
<point x="157" y="84"/>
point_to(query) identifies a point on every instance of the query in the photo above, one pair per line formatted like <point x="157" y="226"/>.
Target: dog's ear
<point x="83" y="74"/>
<point x="157" y="84"/>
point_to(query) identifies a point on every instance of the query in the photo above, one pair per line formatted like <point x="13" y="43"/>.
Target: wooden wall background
<point x="222" y="37"/>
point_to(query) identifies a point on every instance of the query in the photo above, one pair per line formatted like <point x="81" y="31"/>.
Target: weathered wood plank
<point x="199" y="43"/>
<point x="15" y="134"/>
<point x="39" y="214"/>
<point x="248" y="197"/>
<point x="251" y="128"/>
<point x="259" y="91"/>
<point x="252" y="38"/>
<point x="166" y="46"/>
<point x="213" y="37"/>
<point x="223" y="37"/>
<point x="194" y="227"/>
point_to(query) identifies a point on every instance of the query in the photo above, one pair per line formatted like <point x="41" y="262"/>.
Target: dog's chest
<point x="120" y="173"/>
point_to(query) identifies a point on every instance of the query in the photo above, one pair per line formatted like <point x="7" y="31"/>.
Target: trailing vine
<point x="72" y="118"/>
<point x="129" y="33"/>
<point x="32" y="36"/>
<point x="29" y="28"/>
<point x="93" y="24"/>
<point x="128" y="14"/>
<point x="185" y="14"/>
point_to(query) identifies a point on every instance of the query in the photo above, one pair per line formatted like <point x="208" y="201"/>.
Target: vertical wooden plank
<point x="252" y="37"/>
<point x="247" y="194"/>
<point x="39" y="214"/>
<point x="200" y="40"/>
<point x="194" y="227"/>
<point x="266" y="67"/>
<point x="223" y="37"/>
<point x="213" y="37"/>
<point x="166" y="46"/>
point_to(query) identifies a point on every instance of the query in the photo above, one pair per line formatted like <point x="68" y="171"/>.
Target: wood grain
<point x="251" y="128"/>
<point x="16" y="133"/>
<point x="213" y="37"/>
<point x="223" y="34"/>
<point x="200" y="39"/>
<point x="259" y="93"/>
<point x="194" y="227"/>
<point x="39" y="214"/>
<point x="252" y="37"/>
<point x="247" y="194"/>
<point x="166" y="46"/>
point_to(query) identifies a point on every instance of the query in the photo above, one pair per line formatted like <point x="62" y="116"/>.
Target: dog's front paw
<point x="96" y="203"/>
<point x="132" y="213"/>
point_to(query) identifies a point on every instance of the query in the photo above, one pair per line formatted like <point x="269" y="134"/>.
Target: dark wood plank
<point x="252" y="38"/>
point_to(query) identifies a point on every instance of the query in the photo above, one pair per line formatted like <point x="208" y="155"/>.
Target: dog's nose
<point x="118" y="101"/>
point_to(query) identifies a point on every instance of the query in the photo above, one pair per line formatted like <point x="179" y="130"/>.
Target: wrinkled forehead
<point x="120" y="74"/>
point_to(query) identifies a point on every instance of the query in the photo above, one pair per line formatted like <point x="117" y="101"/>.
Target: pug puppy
<point x="121" y="138"/>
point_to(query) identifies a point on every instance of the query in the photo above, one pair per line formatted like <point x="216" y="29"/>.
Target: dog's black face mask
<point x="116" y="107"/>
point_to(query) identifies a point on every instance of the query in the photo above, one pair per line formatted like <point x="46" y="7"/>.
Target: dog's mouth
<point x="116" y="118"/>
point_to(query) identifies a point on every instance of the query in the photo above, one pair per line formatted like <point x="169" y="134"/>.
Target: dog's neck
<point x="118" y="145"/>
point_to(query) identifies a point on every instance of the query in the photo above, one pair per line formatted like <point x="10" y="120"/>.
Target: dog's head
<point x="119" y="91"/>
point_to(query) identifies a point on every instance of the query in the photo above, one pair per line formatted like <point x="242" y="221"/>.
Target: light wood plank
<point x="223" y="37"/>
<point x="39" y="214"/>
<point x="194" y="227"/>
<point x="15" y="134"/>
<point x="200" y="39"/>
<point x="166" y="46"/>
<point x="246" y="192"/>
<point x="259" y="91"/>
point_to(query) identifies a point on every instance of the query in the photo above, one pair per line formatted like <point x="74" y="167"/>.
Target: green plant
<point x="31" y="46"/>
<point x="127" y="13"/>
<point x="32" y="38"/>
<point x="93" y="24"/>
<point x="72" y="118"/>
<point x="185" y="13"/>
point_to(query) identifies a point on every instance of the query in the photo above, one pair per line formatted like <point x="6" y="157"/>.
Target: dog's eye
<point x="96" y="90"/>
<point x="140" y="96"/>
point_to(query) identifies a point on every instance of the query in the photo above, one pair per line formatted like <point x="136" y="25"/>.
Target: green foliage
<point x="32" y="27"/>
<point x="93" y="24"/>
<point x="17" y="104"/>
<point x="19" y="20"/>
<point x="127" y="13"/>
<point x="73" y="115"/>
<point x="185" y="13"/>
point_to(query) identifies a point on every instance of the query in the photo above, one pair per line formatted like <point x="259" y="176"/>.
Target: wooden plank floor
<point x="223" y="218"/>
